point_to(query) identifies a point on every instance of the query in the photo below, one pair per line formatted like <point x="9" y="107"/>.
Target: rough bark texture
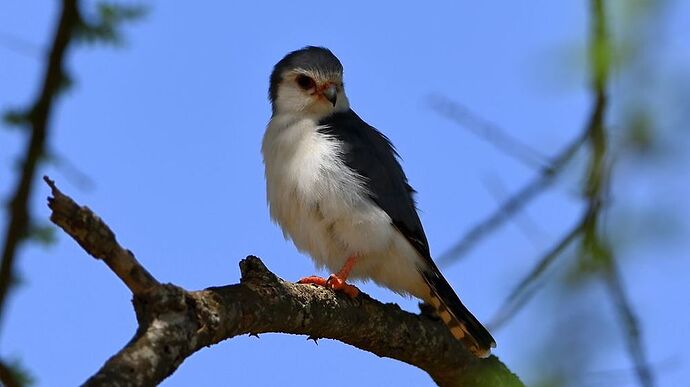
<point x="174" y="323"/>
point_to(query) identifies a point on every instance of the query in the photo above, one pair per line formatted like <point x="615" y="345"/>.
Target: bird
<point x="336" y="188"/>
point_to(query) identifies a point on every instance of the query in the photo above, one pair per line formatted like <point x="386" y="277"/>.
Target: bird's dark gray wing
<point x="370" y="154"/>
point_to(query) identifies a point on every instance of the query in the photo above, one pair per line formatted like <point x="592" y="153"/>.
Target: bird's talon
<point x="336" y="283"/>
<point x="333" y="282"/>
<point x="313" y="280"/>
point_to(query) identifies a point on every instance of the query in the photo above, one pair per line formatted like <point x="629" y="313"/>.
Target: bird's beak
<point x="331" y="93"/>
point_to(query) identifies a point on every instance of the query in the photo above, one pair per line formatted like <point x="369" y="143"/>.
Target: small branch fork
<point x="175" y="323"/>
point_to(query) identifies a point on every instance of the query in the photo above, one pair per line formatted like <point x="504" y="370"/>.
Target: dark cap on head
<point x="311" y="58"/>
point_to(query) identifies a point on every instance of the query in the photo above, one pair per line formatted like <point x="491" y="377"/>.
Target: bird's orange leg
<point x="336" y="281"/>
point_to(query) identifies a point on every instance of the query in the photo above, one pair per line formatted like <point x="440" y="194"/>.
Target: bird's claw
<point x="336" y="283"/>
<point x="333" y="282"/>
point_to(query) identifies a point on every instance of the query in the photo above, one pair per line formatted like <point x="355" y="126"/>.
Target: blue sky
<point x="168" y="129"/>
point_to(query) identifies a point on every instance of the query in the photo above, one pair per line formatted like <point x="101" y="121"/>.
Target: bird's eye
<point x="305" y="82"/>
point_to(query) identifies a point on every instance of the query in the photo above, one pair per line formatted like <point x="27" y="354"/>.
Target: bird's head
<point x="308" y="81"/>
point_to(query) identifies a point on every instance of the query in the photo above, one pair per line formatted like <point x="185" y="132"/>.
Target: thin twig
<point x="72" y="173"/>
<point x="630" y="323"/>
<point x="527" y="225"/>
<point x="528" y="286"/>
<point x="515" y="203"/>
<point x="20" y="46"/>
<point x="488" y="131"/>
<point x="38" y="118"/>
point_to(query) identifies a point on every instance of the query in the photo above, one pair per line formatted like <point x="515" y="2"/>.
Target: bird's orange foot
<point x="333" y="282"/>
<point x="338" y="284"/>
<point x="313" y="280"/>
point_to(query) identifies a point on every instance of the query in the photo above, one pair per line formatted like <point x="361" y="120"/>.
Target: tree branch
<point x="528" y="286"/>
<point x="175" y="323"/>
<point x="630" y="324"/>
<point x="547" y="175"/>
<point x="98" y="240"/>
<point x="488" y="131"/>
<point x="597" y="187"/>
<point x="37" y="119"/>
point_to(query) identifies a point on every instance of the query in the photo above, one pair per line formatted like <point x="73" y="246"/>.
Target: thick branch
<point x="175" y="323"/>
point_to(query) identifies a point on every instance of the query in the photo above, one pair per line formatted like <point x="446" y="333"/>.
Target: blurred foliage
<point x="66" y="82"/>
<point x="42" y="233"/>
<point x="19" y="374"/>
<point x="639" y="137"/>
<point x="595" y="254"/>
<point x="16" y="118"/>
<point x="103" y="25"/>
<point x="646" y="123"/>
<point x="633" y="227"/>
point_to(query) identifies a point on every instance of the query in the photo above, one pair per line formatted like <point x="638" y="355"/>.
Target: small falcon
<point x="336" y="188"/>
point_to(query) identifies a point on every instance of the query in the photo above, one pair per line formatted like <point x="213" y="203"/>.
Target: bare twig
<point x="515" y="203"/>
<point x="524" y="222"/>
<point x="38" y="117"/>
<point x="175" y="323"/>
<point x="98" y="240"/>
<point x="489" y="131"/>
<point x="20" y="46"/>
<point x="71" y="172"/>
<point x="528" y="286"/>
<point x="631" y="325"/>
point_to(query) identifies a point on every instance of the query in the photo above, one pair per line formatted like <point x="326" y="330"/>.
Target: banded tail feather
<point x="461" y="323"/>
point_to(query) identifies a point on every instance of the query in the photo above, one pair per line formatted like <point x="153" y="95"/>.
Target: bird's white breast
<point x="323" y="206"/>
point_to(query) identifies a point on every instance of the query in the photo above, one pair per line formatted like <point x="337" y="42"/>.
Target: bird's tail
<point x="461" y="323"/>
